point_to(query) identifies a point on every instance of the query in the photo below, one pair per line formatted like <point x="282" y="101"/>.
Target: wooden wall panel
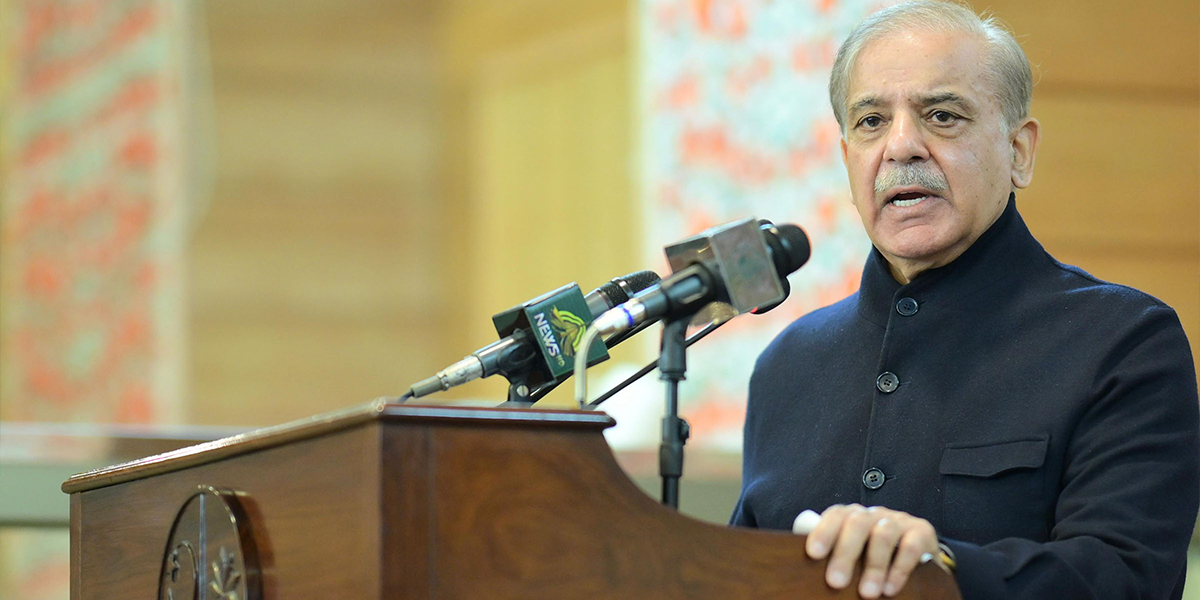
<point x="553" y="189"/>
<point x="475" y="30"/>
<point x="1117" y="172"/>
<point x="303" y="309"/>
<point x="349" y="249"/>
<point x="548" y="194"/>
<point x="1118" y="47"/>
<point x="316" y="268"/>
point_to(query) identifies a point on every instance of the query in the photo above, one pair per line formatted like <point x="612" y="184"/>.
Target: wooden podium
<point x="417" y="502"/>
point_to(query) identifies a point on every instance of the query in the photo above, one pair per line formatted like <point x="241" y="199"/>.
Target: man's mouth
<point x="906" y="199"/>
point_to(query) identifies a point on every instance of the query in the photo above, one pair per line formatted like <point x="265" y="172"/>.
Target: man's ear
<point x="845" y="153"/>
<point x="1024" y="144"/>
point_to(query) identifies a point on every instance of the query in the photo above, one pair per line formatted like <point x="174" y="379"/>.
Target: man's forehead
<point x="919" y="67"/>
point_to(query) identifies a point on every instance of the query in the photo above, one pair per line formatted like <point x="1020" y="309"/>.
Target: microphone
<point x="745" y="264"/>
<point x="539" y="337"/>
<point x="618" y="291"/>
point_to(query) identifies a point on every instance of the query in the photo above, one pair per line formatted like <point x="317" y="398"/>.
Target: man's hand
<point x="894" y="543"/>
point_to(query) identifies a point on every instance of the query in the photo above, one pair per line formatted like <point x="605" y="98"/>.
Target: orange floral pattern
<point x="737" y="123"/>
<point x="91" y="239"/>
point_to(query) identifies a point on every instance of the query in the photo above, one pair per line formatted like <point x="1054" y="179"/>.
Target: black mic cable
<point x="628" y="381"/>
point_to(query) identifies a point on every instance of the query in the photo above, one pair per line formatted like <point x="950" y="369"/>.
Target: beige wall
<point x="391" y="174"/>
<point x="550" y="170"/>
<point x="317" y="267"/>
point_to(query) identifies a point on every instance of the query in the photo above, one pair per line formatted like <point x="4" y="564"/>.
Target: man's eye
<point x="870" y="121"/>
<point x="943" y="117"/>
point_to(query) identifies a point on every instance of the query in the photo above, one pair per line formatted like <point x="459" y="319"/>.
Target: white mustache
<point x="912" y="174"/>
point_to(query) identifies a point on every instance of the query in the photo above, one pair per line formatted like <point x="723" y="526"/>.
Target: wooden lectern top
<point x="319" y="425"/>
<point x="405" y="501"/>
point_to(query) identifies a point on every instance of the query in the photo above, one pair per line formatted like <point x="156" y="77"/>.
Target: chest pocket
<point x="995" y="491"/>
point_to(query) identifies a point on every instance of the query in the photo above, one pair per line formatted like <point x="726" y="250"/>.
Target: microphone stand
<point x="675" y="430"/>
<point x="672" y="364"/>
<point x="518" y="393"/>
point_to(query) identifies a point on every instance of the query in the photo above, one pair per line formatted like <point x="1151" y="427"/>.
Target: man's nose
<point x="905" y="140"/>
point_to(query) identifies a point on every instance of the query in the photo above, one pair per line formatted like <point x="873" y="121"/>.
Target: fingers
<point x="890" y="543"/>
<point x="915" y="543"/>
<point x="821" y="538"/>
<point x="856" y="529"/>
<point x="884" y="536"/>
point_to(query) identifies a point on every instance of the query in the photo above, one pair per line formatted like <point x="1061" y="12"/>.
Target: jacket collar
<point x="1002" y="254"/>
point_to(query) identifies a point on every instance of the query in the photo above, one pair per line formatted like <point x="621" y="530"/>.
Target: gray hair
<point x="1007" y="65"/>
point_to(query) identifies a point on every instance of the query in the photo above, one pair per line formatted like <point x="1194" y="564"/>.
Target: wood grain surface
<point x="316" y="503"/>
<point x="448" y="504"/>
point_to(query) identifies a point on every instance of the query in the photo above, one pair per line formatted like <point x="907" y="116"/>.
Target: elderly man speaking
<point x="1027" y="425"/>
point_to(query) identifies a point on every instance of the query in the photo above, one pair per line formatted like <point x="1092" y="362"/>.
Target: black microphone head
<point x="621" y="289"/>
<point x="789" y="251"/>
<point x="789" y="247"/>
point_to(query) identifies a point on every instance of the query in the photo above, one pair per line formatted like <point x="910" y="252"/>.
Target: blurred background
<point x="223" y="215"/>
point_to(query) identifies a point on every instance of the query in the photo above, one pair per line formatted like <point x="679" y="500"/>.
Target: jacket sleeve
<point x="1130" y="485"/>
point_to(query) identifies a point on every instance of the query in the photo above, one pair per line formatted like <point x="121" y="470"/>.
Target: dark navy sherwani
<point x="1045" y="422"/>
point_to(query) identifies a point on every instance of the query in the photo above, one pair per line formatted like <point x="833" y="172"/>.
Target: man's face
<point x="930" y="163"/>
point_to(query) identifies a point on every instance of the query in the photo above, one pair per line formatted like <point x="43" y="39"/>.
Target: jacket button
<point x="873" y="479"/>
<point x="888" y="382"/>
<point x="907" y="307"/>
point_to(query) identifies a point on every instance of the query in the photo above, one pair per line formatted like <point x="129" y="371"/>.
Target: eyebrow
<point x="947" y="98"/>
<point x="868" y="102"/>
<point x="930" y="100"/>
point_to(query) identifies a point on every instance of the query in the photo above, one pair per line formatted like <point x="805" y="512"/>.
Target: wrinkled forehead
<point x="918" y="63"/>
